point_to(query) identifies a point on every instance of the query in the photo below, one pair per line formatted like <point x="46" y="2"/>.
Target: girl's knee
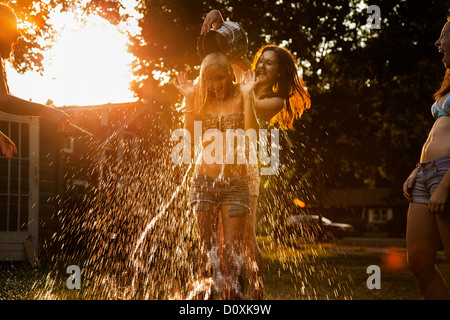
<point x="420" y="261"/>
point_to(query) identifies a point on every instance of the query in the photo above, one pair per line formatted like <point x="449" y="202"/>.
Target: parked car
<point x="314" y="225"/>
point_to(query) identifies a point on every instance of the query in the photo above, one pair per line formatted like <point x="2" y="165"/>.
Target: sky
<point x="88" y="65"/>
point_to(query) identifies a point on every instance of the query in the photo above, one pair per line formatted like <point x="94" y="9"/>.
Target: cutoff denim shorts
<point x="209" y="191"/>
<point x="253" y="171"/>
<point x="428" y="177"/>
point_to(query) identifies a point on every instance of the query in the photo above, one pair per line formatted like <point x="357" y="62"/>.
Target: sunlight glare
<point x="89" y="64"/>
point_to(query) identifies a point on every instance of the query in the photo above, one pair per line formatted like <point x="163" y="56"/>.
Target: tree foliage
<point x="37" y="32"/>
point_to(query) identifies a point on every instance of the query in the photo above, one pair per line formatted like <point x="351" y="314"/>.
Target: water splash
<point x="135" y="260"/>
<point x="135" y="237"/>
<point x="151" y="224"/>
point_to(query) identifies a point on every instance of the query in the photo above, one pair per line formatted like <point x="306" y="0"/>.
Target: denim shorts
<point x="253" y="171"/>
<point x="209" y="191"/>
<point x="428" y="177"/>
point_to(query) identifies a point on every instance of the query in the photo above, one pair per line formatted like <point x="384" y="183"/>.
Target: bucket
<point x="230" y="39"/>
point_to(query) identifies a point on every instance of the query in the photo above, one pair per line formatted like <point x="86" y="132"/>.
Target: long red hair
<point x="290" y="86"/>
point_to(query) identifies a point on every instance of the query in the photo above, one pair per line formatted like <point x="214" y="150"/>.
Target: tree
<point x="37" y="32"/>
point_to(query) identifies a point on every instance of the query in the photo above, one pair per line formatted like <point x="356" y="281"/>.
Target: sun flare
<point x="88" y="64"/>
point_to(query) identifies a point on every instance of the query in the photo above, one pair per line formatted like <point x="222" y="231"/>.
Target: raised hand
<point x="185" y="86"/>
<point x="8" y="147"/>
<point x="249" y="82"/>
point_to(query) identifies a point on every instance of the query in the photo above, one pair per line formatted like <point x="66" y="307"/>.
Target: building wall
<point x="51" y="170"/>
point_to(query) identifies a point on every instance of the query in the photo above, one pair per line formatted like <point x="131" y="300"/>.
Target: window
<point x="19" y="187"/>
<point x="14" y="179"/>
<point x="68" y="145"/>
<point x="380" y="215"/>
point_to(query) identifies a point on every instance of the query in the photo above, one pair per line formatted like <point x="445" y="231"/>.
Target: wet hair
<point x="211" y="64"/>
<point x="289" y="86"/>
<point x="445" y="85"/>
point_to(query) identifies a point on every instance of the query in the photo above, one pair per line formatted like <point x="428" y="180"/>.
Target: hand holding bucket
<point x="230" y="39"/>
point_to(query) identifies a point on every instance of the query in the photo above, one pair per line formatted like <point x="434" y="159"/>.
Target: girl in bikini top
<point x="439" y="112"/>
<point x="222" y="123"/>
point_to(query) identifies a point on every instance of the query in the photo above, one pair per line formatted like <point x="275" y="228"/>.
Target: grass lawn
<point x="322" y="272"/>
<point x="299" y="270"/>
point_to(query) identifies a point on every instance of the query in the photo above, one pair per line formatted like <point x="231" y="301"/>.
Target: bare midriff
<point x="438" y="142"/>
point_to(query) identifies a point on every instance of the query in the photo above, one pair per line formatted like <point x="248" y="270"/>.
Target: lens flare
<point x="394" y="259"/>
<point x="300" y="203"/>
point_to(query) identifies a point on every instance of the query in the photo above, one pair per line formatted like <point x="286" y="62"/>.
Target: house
<point x="376" y="208"/>
<point x="29" y="184"/>
<point x="51" y="163"/>
<point x="110" y="132"/>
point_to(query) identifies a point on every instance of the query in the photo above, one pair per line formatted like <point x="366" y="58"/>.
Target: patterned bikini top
<point x="229" y="121"/>
<point x="439" y="112"/>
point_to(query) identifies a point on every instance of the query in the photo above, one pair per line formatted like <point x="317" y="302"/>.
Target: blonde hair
<point x="211" y="64"/>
